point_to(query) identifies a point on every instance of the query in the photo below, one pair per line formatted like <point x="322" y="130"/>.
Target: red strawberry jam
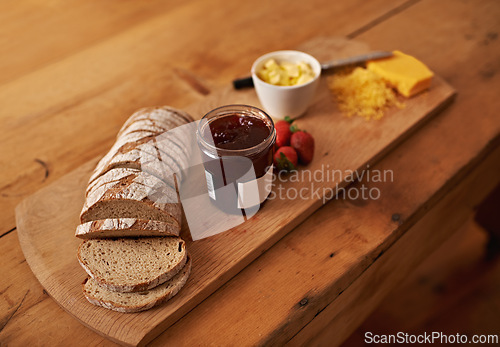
<point x="237" y="131"/>
<point x="236" y="143"/>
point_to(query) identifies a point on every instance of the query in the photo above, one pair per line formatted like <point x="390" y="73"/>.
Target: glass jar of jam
<point x="237" y="148"/>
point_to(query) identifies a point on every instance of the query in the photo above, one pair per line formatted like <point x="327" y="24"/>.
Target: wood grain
<point x="264" y="297"/>
<point x="101" y="77"/>
<point x="454" y="289"/>
<point x="337" y="320"/>
<point x="48" y="143"/>
<point x="458" y="44"/>
<point x="27" y="309"/>
<point x="220" y="257"/>
<point x="327" y="254"/>
<point x="58" y="29"/>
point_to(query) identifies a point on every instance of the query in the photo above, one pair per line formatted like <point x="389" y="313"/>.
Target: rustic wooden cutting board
<point x="46" y="220"/>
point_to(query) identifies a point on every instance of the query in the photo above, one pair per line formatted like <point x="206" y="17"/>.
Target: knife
<point x="248" y="82"/>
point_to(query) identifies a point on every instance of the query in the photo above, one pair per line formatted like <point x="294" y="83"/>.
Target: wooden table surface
<point x="72" y="72"/>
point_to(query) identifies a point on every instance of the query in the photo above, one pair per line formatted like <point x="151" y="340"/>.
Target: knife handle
<point x="244" y="82"/>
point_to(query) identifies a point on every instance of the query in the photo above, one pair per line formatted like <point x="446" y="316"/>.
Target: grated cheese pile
<point x="362" y="92"/>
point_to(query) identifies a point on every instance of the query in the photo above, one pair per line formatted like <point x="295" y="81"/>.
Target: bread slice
<point x="152" y="125"/>
<point x="178" y="150"/>
<point x="176" y="139"/>
<point x="167" y="122"/>
<point x="138" y="159"/>
<point x="112" y="176"/>
<point x="146" y="152"/>
<point x="139" y="301"/>
<point x="125" y="227"/>
<point x="129" y="193"/>
<point x="132" y="264"/>
<point x="138" y="143"/>
<point x="178" y="134"/>
<point x="162" y="116"/>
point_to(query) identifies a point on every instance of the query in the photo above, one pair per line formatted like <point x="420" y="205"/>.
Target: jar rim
<point x="239" y="109"/>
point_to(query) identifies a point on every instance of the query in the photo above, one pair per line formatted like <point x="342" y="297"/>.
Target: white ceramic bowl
<point x="282" y="101"/>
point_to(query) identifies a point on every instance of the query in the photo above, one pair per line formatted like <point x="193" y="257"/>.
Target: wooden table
<point x="71" y="72"/>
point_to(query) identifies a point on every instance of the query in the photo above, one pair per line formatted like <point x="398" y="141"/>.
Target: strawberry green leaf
<point x="284" y="163"/>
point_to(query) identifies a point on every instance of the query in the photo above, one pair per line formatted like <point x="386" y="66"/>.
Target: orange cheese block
<point x="406" y="73"/>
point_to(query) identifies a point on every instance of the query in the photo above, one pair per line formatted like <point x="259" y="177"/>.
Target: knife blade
<point x="248" y="82"/>
<point x="355" y="60"/>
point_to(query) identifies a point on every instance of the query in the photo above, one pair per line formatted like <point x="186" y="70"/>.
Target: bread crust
<point x="123" y="168"/>
<point x="136" y="148"/>
<point x="125" y="227"/>
<point x="146" y="137"/>
<point x="133" y="186"/>
<point x="159" y="115"/>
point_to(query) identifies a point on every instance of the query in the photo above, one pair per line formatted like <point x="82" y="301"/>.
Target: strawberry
<point x="304" y="145"/>
<point x="283" y="132"/>
<point x="285" y="158"/>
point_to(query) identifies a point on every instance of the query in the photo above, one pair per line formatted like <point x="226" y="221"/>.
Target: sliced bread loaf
<point x="141" y="150"/>
<point x="175" y="142"/>
<point x="132" y="264"/>
<point x="125" y="227"/>
<point x="139" y="301"/>
<point x="129" y="142"/>
<point x="178" y="150"/>
<point x="163" y="168"/>
<point x="112" y="176"/>
<point x="129" y="193"/>
<point x="152" y="125"/>
<point x="162" y="116"/>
